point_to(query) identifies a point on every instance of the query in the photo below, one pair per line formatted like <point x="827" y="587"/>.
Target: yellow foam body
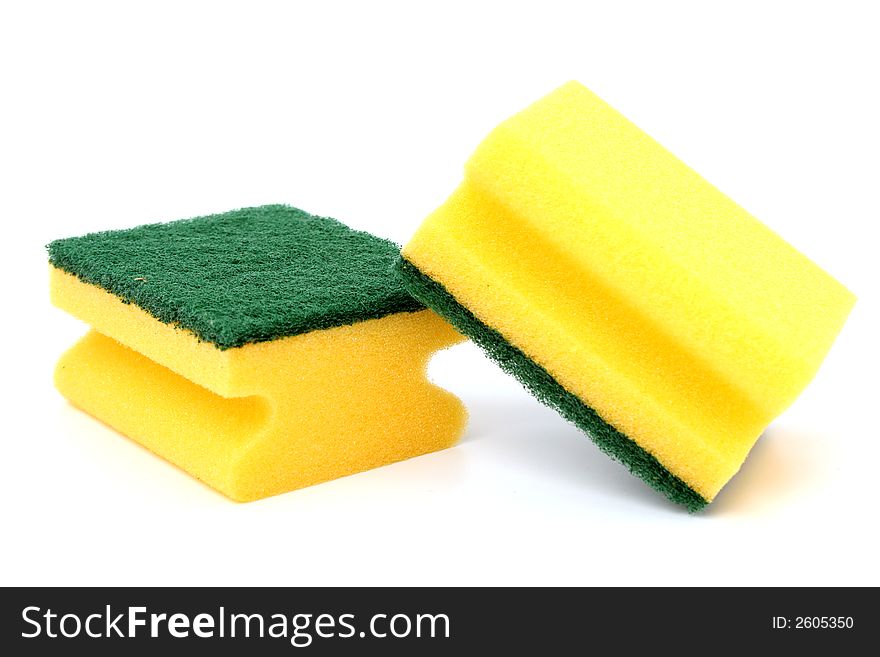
<point x="266" y="417"/>
<point x="682" y="320"/>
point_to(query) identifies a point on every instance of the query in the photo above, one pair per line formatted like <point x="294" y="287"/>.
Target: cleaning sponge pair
<point x="619" y="286"/>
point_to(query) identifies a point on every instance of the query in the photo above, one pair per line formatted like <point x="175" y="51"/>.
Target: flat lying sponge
<point x="626" y="291"/>
<point x="260" y="350"/>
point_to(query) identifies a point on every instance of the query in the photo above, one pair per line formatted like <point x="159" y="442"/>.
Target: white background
<point x="112" y="116"/>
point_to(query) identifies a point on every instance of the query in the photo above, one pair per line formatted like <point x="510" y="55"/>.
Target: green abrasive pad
<point x="248" y="275"/>
<point x="549" y="391"/>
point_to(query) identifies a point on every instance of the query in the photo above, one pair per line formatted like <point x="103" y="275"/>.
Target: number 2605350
<point x="823" y="622"/>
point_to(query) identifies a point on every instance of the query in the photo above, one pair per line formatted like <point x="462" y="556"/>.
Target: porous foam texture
<point x="626" y="291"/>
<point x="269" y="415"/>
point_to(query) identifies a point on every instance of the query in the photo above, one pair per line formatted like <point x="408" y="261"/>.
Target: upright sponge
<point x="626" y="291"/>
<point x="260" y="350"/>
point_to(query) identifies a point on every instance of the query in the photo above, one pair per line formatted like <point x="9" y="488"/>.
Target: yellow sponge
<point x="272" y="414"/>
<point x="626" y="291"/>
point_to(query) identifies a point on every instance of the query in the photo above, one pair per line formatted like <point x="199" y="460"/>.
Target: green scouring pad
<point x="245" y="276"/>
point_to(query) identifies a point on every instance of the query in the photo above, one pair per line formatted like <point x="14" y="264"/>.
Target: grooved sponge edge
<point x="677" y="320"/>
<point x="290" y="405"/>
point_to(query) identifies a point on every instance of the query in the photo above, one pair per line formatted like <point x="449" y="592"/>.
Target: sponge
<point x="626" y="291"/>
<point x="260" y="350"/>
